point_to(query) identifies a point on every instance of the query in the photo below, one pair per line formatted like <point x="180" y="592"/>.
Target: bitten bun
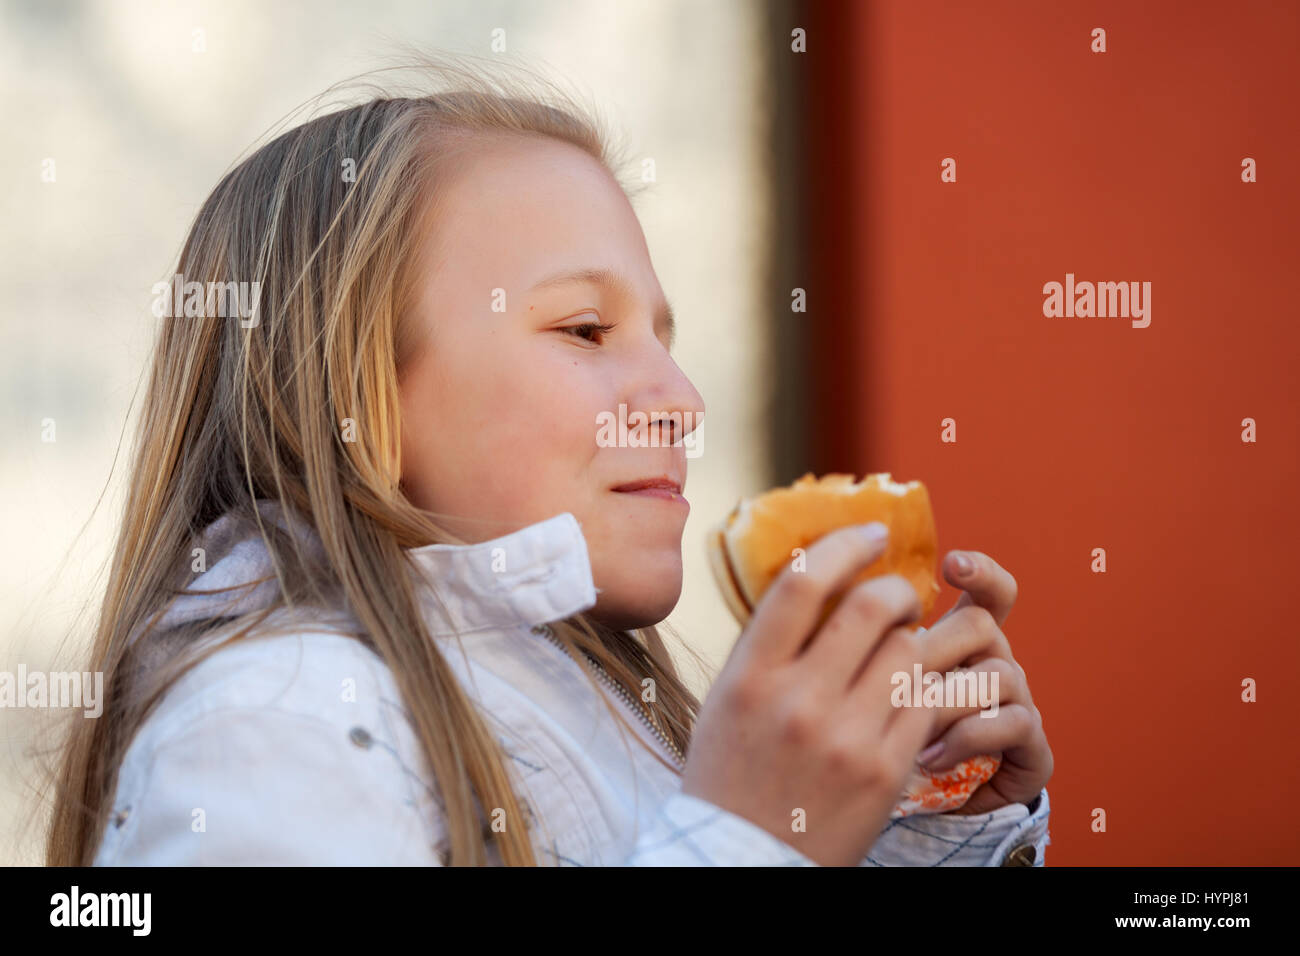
<point x="758" y="540"/>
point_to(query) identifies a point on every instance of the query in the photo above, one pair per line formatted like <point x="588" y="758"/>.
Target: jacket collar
<point x="540" y="573"/>
<point x="537" y="574"/>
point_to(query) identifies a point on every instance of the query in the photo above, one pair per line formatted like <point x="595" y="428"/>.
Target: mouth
<point x="661" y="487"/>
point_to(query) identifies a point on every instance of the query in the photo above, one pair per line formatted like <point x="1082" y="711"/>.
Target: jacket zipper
<point x="621" y="691"/>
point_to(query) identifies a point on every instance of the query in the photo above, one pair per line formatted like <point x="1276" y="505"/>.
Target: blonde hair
<point x="233" y="415"/>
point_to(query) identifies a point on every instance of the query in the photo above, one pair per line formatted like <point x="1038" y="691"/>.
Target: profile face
<point x="501" y="406"/>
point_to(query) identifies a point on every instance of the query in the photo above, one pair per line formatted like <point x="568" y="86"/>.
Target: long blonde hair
<point x="235" y="413"/>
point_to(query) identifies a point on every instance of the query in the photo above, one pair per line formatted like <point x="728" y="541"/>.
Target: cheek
<point x="509" y="437"/>
<point x="537" y="412"/>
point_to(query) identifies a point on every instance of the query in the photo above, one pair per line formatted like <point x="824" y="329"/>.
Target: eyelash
<point x="574" y="330"/>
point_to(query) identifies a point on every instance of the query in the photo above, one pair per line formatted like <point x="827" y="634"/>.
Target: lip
<point x="659" y="486"/>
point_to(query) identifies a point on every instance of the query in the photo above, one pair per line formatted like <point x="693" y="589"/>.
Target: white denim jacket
<point x="295" y="748"/>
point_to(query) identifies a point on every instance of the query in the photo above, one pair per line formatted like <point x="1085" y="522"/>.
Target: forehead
<point x="526" y="214"/>
<point x="524" y="200"/>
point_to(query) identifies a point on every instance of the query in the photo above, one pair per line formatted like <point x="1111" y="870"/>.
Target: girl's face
<point x="503" y="391"/>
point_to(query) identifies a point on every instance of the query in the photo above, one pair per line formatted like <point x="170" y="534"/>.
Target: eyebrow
<point x="614" y="281"/>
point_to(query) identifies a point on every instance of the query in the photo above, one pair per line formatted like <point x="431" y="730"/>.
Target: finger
<point x="908" y="734"/>
<point x="860" y="622"/>
<point x="973" y="689"/>
<point x="1011" y="729"/>
<point x="873" y="691"/>
<point x="988" y="585"/>
<point x="896" y="735"/>
<point x="871" y="703"/>
<point x="968" y="636"/>
<point x="792" y="606"/>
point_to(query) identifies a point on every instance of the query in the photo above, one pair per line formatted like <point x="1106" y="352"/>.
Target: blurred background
<point x="142" y="106"/>
<point x="797" y="146"/>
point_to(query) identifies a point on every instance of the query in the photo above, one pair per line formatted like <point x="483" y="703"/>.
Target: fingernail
<point x="930" y="753"/>
<point x="964" y="565"/>
<point x="875" y="532"/>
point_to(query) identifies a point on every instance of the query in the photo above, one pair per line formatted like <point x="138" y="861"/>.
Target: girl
<point x="378" y="596"/>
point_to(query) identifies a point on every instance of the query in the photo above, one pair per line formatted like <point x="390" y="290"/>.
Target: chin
<point x="627" y="617"/>
<point x="640" y="596"/>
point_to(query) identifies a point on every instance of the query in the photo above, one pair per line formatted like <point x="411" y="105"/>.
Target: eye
<point x="586" y="329"/>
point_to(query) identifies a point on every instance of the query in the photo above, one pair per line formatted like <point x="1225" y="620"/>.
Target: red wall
<point x="926" y="302"/>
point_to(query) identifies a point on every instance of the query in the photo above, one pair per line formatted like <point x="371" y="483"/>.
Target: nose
<point x="667" y="397"/>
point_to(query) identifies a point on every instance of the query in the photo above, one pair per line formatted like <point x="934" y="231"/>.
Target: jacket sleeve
<point x="986" y="839"/>
<point x="262" y="786"/>
<point x="688" y="831"/>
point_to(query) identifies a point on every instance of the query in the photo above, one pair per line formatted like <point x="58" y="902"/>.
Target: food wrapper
<point x="949" y="790"/>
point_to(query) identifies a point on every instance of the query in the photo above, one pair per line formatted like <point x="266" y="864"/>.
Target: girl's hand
<point x="799" y="726"/>
<point x="969" y="637"/>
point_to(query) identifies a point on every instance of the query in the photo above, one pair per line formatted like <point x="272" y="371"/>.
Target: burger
<point x="766" y="533"/>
